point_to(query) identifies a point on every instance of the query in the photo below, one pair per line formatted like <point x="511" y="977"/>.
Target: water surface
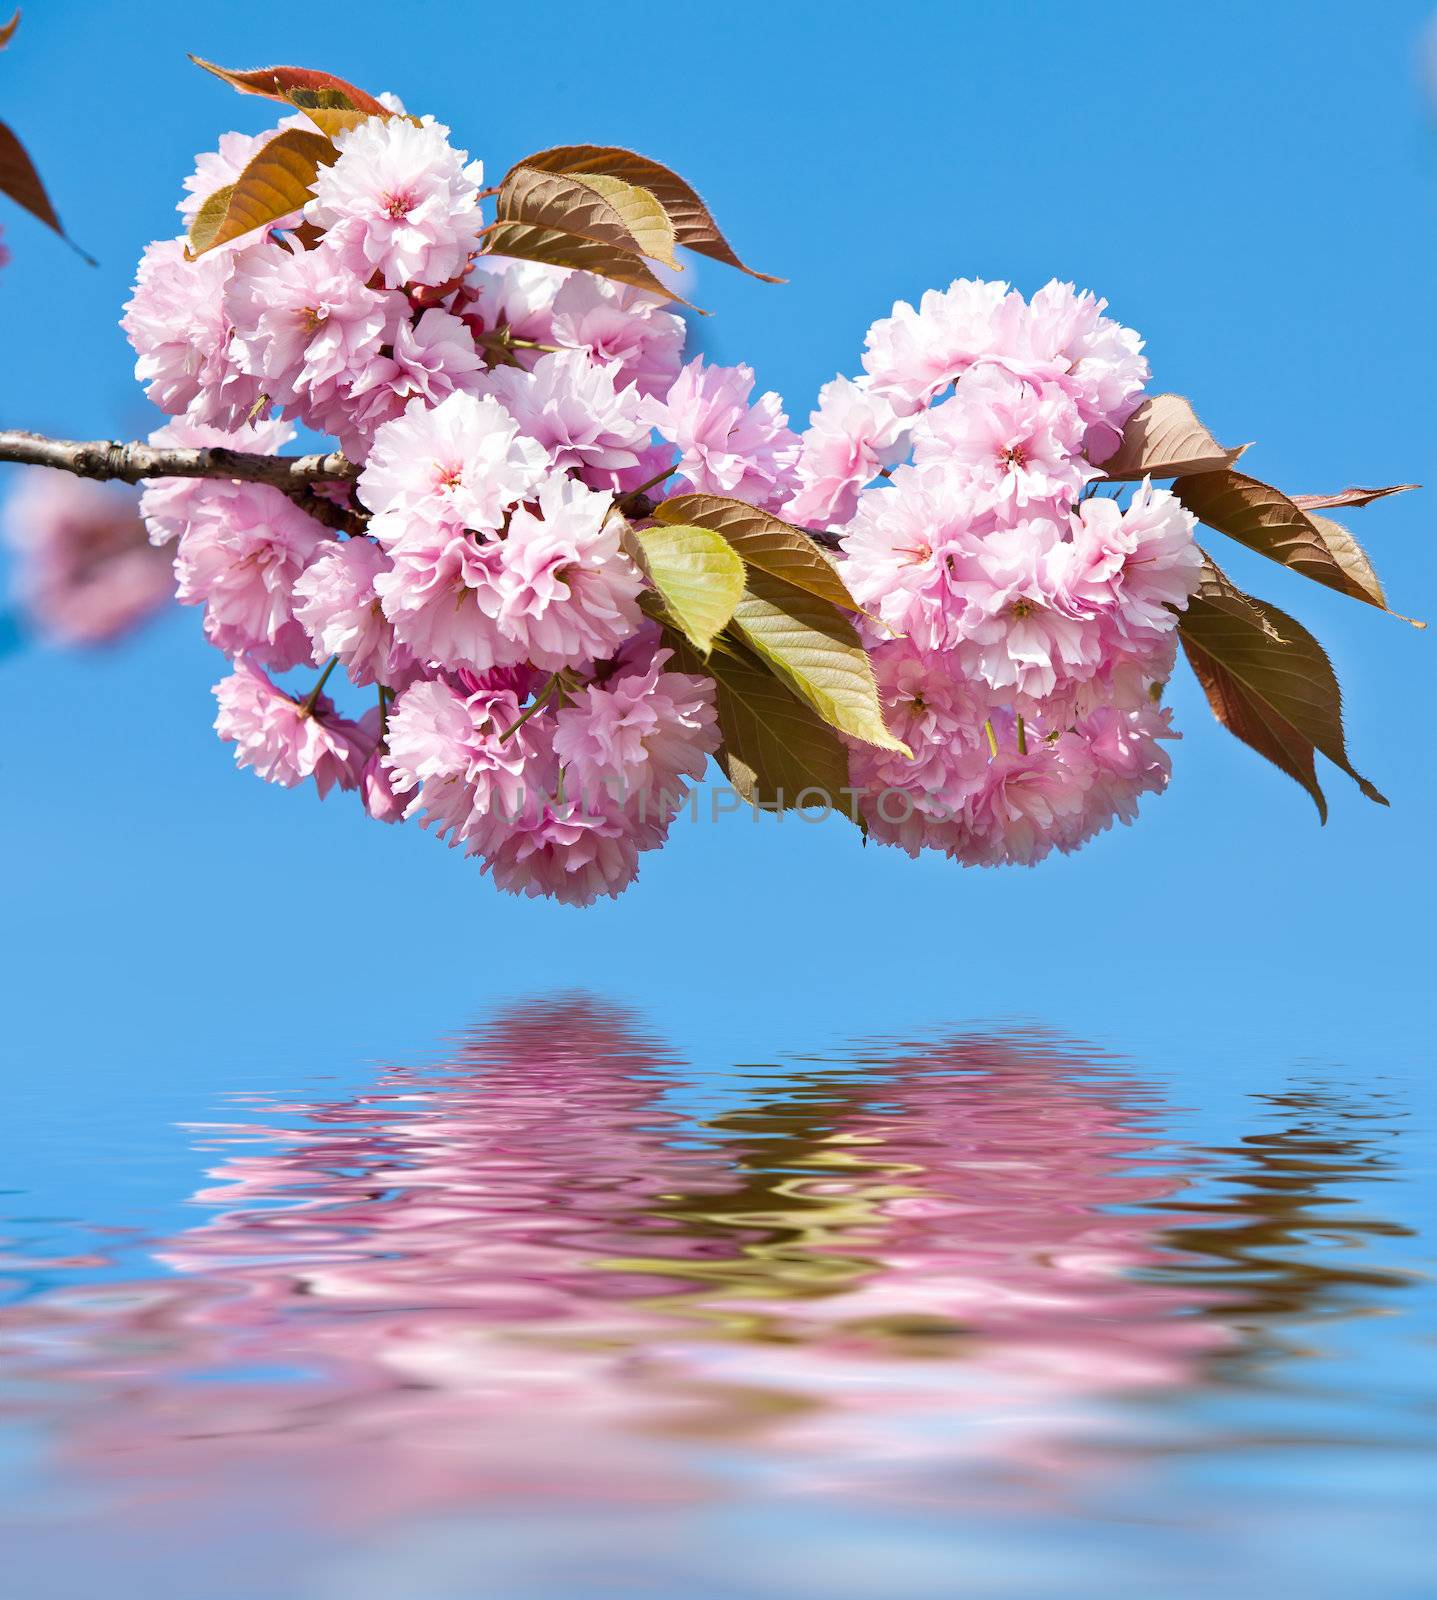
<point x="558" y="1315"/>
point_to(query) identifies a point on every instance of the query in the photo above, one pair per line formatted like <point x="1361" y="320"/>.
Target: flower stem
<point x="992" y="737"/>
<point x="1022" y="738"/>
<point x="644" y="488"/>
<point x="311" y="699"/>
<point x="534" y="705"/>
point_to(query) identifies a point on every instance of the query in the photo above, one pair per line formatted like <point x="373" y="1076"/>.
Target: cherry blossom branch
<point x="111" y="461"/>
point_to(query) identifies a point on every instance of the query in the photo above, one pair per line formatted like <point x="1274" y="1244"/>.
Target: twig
<point x="107" y="459"/>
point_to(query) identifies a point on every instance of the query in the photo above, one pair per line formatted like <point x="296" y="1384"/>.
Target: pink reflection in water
<point x="520" y="1273"/>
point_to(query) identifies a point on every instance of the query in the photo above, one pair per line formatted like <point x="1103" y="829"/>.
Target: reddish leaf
<point x="283" y="83"/>
<point x="1349" y="497"/>
<point x="692" y="220"/>
<point x="19" y="180"/>
<point x="7" y="32"/>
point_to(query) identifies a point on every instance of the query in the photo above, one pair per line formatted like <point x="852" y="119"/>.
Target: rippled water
<point x="556" y="1317"/>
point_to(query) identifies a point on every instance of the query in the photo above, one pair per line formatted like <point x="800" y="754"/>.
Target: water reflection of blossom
<point x="524" y="1271"/>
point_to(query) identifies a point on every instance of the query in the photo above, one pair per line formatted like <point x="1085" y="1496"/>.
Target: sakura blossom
<point x="242" y="567"/>
<point x="286" y="741"/>
<point x="179" y="324"/>
<point x="475" y="581"/>
<point x="728" y="445"/>
<point x="459" y="464"/>
<point x="339" y="608"/>
<point x="399" y="201"/>
<point x="83" y="571"/>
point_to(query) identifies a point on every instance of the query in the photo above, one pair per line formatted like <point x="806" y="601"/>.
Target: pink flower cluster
<point x="523" y="707"/>
<point x="1022" y="625"/>
<point x="83" y="571"/>
<point x="520" y="704"/>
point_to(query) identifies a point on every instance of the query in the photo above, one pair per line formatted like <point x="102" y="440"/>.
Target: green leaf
<point x="525" y="241"/>
<point x="692" y="222"/>
<point x="1269" y="683"/>
<point x="814" y="648"/>
<point x="775" y="747"/>
<point x="1164" y="439"/>
<point x="276" y="183"/>
<point x="765" y="542"/>
<point x="1265" y="520"/>
<point x="698" y="576"/>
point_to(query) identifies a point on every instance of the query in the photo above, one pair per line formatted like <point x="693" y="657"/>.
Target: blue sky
<point x="1253" y="187"/>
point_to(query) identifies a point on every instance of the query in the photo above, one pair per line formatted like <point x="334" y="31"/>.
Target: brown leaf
<point x="275" y="184"/>
<point x="1352" y="558"/>
<point x="692" y="221"/>
<point x="1277" y="694"/>
<point x="7" y="32"/>
<point x="1164" y="439"/>
<point x="603" y="211"/>
<point x="19" y="179"/>
<point x="1218" y="589"/>
<point x="527" y="242"/>
<point x="1349" y="497"/>
<point x="282" y="83"/>
<point x="1265" y="520"/>
<point x="764" y="541"/>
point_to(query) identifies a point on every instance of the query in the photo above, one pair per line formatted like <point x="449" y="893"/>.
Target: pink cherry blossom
<point x="449" y="760"/>
<point x="339" y="608"/>
<point x="1020" y="444"/>
<point x="399" y="201"/>
<point x="428" y="359"/>
<point x="571" y="406"/>
<point x="1020" y="627"/>
<point x="515" y="297"/>
<point x="914" y="355"/>
<point x="639" y="737"/>
<point x="242" y="566"/>
<point x="442" y="594"/>
<point x="84" y="571"/>
<point x="906" y="547"/>
<point x="918" y="802"/>
<point x="179" y="324"/>
<point x="460" y="464"/>
<point x="619" y="327"/>
<point x="1142" y="562"/>
<point x="727" y="445"/>
<point x="569" y="593"/>
<point x="281" y="740"/>
<point x="852" y="435"/>
<point x="305" y="328"/>
<point x="169" y="505"/>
